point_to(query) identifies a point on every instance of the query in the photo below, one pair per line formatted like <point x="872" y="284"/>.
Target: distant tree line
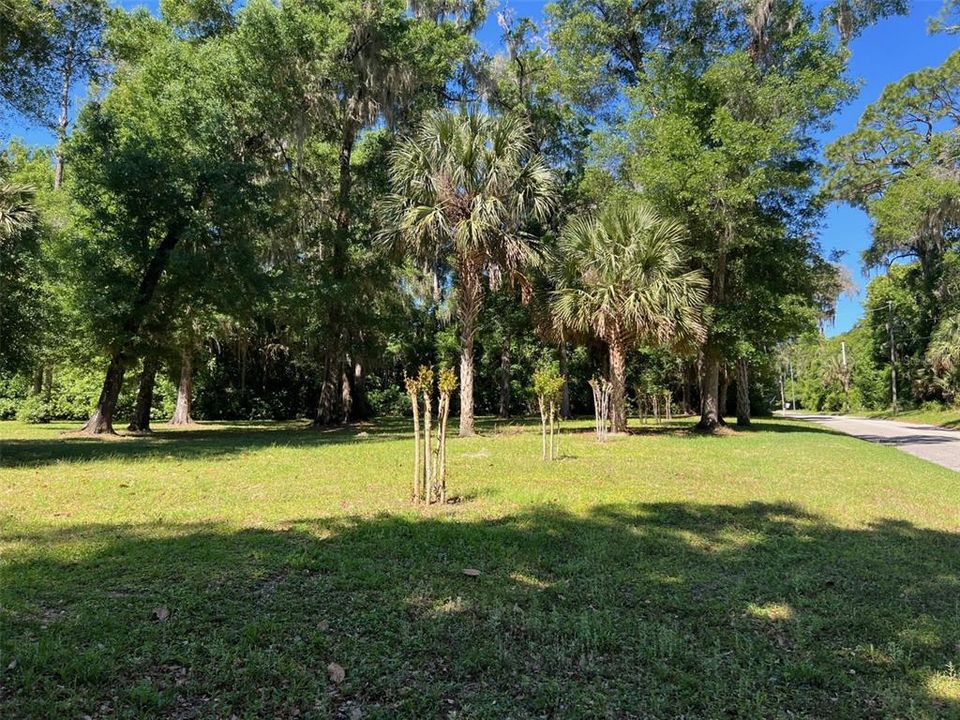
<point x="283" y="209"/>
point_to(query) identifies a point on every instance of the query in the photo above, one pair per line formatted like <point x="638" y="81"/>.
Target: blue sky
<point x="883" y="54"/>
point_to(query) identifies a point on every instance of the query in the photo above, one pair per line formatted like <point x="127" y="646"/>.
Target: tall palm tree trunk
<point x="469" y="293"/>
<point x="618" y="385"/>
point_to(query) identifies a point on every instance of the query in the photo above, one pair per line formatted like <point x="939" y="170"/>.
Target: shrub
<point x="390" y="400"/>
<point x="35" y="410"/>
<point x="8" y="408"/>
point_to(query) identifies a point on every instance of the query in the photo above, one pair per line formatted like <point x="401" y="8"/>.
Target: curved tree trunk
<point x="743" y="393"/>
<point x="101" y="421"/>
<point x="181" y="414"/>
<point x="469" y="294"/>
<point x="141" y="411"/>
<point x="710" y="391"/>
<point x="618" y="386"/>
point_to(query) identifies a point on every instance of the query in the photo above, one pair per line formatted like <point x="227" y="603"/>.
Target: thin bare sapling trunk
<point x="425" y="380"/>
<point x="446" y="384"/>
<point x="541" y="401"/>
<point x="554" y="431"/>
<point x="601" y="406"/>
<point x="413" y="390"/>
<point x="548" y="384"/>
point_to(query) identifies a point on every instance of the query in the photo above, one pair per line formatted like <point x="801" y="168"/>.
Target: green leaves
<point x="623" y="276"/>
<point x="900" y="165"/>
<point x="465" y="185"/>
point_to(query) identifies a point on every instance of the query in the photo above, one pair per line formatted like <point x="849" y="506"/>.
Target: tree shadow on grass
<point x="232" y="438"/>
<point x="199" y="441"/>
<point x="653" y="610"/>
<point x="685" y="428"/>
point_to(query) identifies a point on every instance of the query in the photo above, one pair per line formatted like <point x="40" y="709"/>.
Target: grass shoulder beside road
<point x="941" y="417"/>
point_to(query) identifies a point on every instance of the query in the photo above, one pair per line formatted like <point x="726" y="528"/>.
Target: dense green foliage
<point x="215" y="218"/>
<point x="900" y="166"/>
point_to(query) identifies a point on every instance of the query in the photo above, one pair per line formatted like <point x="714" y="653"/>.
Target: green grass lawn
<point x="944" y="417"/>
<point x="784" y="572"/>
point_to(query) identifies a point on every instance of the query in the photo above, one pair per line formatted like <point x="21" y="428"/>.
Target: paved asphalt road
<point x="926" y="441"/>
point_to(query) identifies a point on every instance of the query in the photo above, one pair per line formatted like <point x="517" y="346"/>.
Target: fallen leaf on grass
<point x="471" y="572"/>
<point x="337" y="673"/>
<point x="160" y="614"/>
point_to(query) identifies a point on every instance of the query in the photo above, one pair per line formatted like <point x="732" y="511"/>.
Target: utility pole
<point x="783" y="396"/>
<point x="893" y="357"/>
<point x="793" y="385"/>
<point x="846" y="373"/>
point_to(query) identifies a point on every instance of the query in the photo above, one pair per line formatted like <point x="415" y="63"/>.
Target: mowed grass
<point x="783" y="572"/>
<point x="942" y="417"/>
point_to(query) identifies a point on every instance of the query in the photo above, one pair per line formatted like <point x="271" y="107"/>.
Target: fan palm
<point x="464" y="187"/>
<point x="943" y="355"/>
<point x="623" y="277"/>
<point x="16" y="209"/>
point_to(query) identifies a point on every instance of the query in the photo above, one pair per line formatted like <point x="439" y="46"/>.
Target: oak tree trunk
<point x="140" y="422"/>
<point x="47" y="382"/>
<point x="181" y="413"/>
<point x="346" y="398"/>
<point x="743" y="393"/>
<point x="361" y="409"/>
<point x="101" y="422"/>
<point x="711" y="416"/>
<point x="710" y="392"/>
<point x="724" y="394"/>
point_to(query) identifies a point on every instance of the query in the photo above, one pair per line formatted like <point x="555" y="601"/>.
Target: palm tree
<point x="943" y="356"/>
<point x="16" y="209"/>
<point x="464" y="187"/>
<point x="623" y="277"/>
